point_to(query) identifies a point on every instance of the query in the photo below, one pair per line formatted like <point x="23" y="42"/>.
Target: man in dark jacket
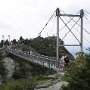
<point x="66" y="60"/>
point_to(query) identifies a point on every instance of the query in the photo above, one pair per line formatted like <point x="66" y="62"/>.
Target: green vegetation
<point x="25" y="84"/>
<point x="22" y="84"/>
<point x="2" y="68"/>
<point x="47" y="46"/>
<point x="78" y="76"/>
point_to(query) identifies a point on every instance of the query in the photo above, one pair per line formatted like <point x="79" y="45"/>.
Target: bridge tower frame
<point x="58" y="14"/>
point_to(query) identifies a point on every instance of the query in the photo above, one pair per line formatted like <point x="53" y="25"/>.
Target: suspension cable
<point x="85" y="38"/>
<point x="53" y="24"/>
<point x="46" y="23"/>
<point x="87" y="12"/>
<point x="83" y="28"/>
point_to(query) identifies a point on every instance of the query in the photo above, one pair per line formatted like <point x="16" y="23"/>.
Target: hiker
<point x="61" y="63"/>
<point x="66" y="60"/>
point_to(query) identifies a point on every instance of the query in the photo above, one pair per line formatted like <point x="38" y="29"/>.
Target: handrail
<point x="49" y="62"/>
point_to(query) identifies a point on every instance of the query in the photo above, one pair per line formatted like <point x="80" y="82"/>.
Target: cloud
<point x="5" y="26"/>
<point x="28" y="17"/>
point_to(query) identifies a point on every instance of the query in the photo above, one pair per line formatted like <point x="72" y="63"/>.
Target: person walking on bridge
<point x="62" y="63"/>
<point x="66" y="60"/>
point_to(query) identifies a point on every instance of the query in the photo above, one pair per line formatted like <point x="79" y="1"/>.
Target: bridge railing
<point x="49" y="62"/>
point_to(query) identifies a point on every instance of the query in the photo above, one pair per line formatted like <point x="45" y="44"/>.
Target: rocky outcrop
<point x="9" y="65"/>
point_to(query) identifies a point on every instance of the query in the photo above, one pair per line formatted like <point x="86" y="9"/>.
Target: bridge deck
<point x="49" y="62"/>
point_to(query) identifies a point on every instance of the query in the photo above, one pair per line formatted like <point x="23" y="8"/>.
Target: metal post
<point x="81" y="16"/>
<point x="9" y="39"/>
<point x="3" y="40"/>
<point x="57" y="14"/>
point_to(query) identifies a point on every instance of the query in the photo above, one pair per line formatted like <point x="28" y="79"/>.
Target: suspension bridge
<point x="53" y="62"/>
<point x="49" y="62"/>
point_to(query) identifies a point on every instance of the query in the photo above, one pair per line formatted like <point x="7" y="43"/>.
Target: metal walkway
<point x="49" y="62"/>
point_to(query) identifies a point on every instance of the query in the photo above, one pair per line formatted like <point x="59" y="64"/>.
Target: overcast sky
<point x="27" y="17"/>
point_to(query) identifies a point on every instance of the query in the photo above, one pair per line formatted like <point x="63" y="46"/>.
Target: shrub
<point x="22" y="84"/>
<point x="78" y="75"/>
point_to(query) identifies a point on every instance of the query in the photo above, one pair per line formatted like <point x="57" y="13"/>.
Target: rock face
<point x="9" y="65"/>
<point x="1" y="79"/>
<point x="56" y="86"/>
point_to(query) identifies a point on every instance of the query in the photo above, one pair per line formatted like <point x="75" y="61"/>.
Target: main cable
<point x="46" y="24"/>
<point x="84" y="37"/>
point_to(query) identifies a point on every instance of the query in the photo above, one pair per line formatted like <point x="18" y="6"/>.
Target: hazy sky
<point x="27" y="17"/>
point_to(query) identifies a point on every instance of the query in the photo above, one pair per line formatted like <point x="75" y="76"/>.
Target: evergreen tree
<point x="14" y="41"/>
